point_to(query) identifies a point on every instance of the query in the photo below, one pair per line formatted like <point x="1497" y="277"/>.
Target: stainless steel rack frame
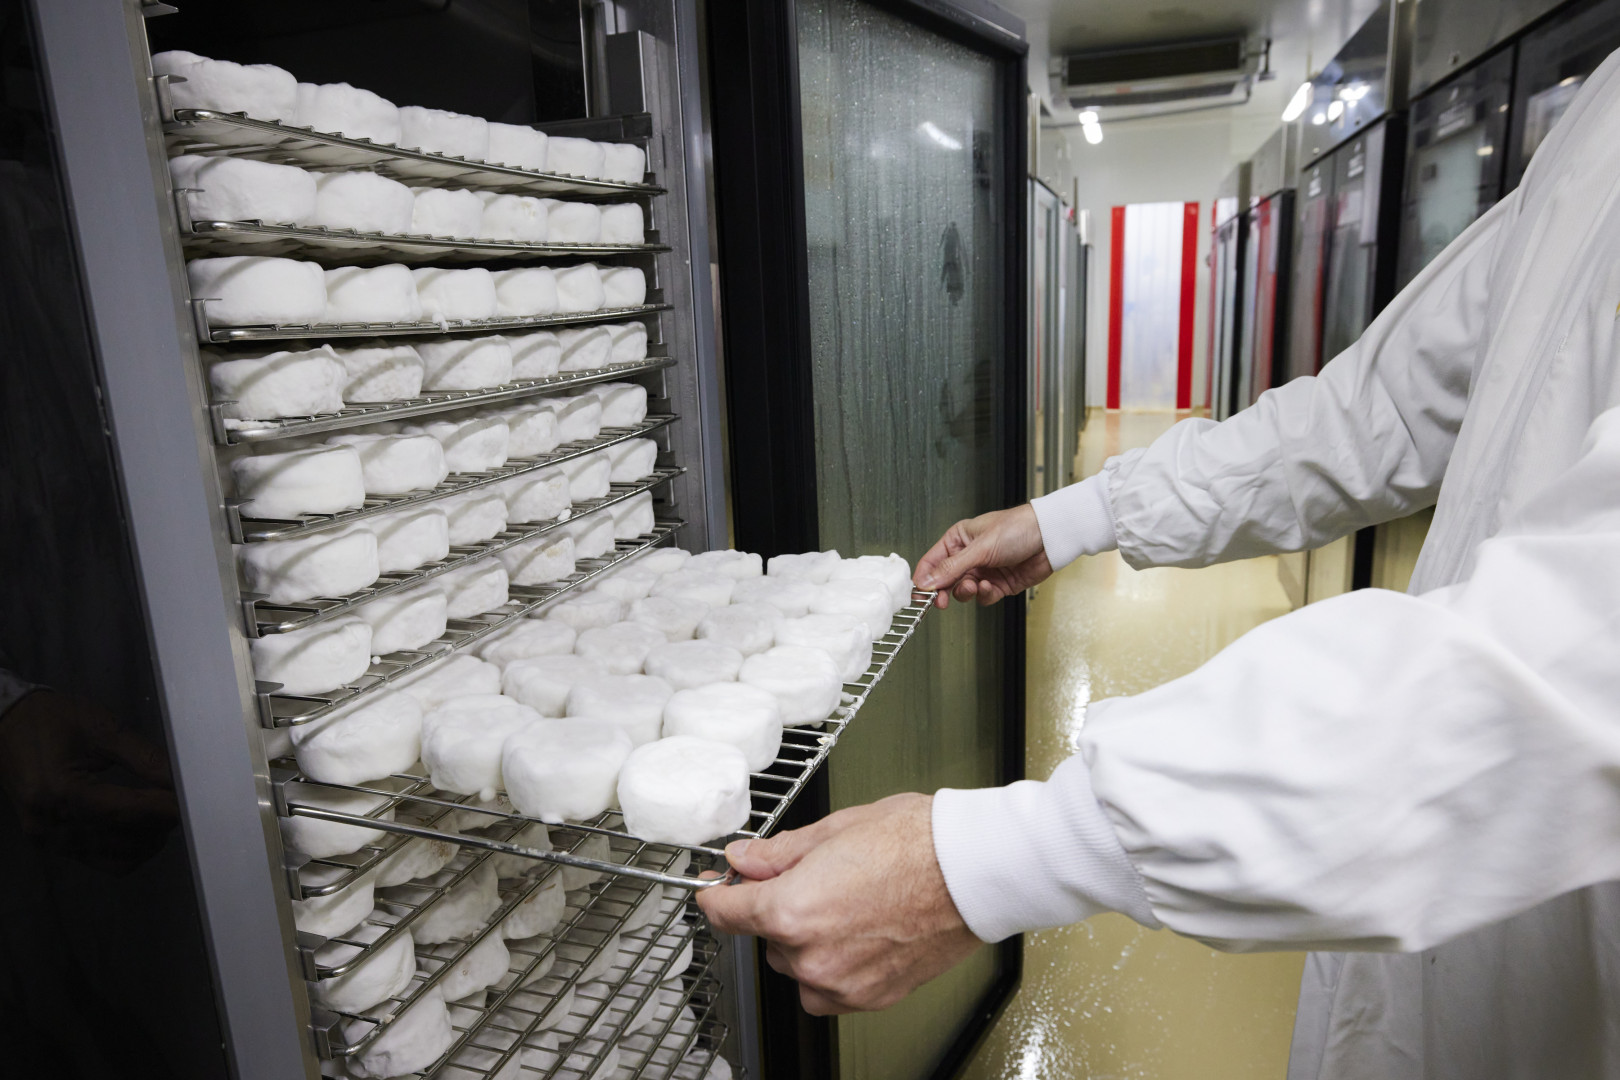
<point x="339" y="245"/>
<point x="228" y="431"/>
<point x="226" y="335"/>
<point x="804" y="749"/>
<point x="277" y="709"/>
<point x="255" y="530"/>
<point x="269" y="618"/>
<point x="206" y="131"/>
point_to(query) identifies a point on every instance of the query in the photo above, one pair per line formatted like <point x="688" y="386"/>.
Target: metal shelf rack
<point x="804" y="749"/>
<point x="255" y="530"/>
<point x="228" y="432"/>
<point x="290" y="710"/>
<point x="344" y="245"/>
<point x="264" y="617"/>
<point x="228" y="335"/>
<point x="205" y="131"/>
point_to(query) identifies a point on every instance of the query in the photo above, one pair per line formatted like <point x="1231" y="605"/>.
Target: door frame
<point x="762" y="252"/>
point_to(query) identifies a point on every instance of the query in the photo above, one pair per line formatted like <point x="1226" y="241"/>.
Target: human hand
<point x="854" y="907"/>
<point x="58" y="761"/>
<point x="986" y="558"/>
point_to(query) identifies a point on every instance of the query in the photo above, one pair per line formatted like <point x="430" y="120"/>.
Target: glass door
<point x="1554" y="61"/>
<point x="1045" y="337"/>
<point x="873" y="223"/>
<point x="904" y="215"/>
<point x="1310" y="250"/>
<point x="1226" y="288"/>
<point x="1352" y="292"/>
<point x="1266" y="294"/>
<point x="1454" y="159"/>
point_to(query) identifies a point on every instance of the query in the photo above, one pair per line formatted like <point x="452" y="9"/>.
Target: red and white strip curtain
<point x="1152" y="300"/>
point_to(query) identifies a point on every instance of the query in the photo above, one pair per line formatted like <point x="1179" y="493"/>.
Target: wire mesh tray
<point x="617" y="959"/>
<point x="225" y="335"/>
<point x="345" y="245"/>
<point x="264" y="617"/>
<point x="804" y="748"/>
<point x="228" y="431"/>
<point x="277" y="709"/>
<point x="205" y="131"/>
<point x="254" y="530"/>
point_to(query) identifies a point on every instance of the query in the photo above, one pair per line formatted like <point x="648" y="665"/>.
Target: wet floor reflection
<point x="1107" y="999"/>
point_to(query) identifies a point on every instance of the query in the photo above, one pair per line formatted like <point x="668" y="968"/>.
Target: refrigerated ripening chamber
<point x="1554" y="59"/>
<point x="1228" y="255"/>
<point x="1057" y="339"/>
<point x="244" y="307"/>
<point x="1263" y="333"/>
<point x="1455" y="159"/>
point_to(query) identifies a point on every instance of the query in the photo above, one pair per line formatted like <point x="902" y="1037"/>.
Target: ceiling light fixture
<point x="1298" y="103"/>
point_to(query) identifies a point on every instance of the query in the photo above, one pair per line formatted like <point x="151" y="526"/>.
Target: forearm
<point x="1376" y="771"/>
<point x="1367" y="440"/>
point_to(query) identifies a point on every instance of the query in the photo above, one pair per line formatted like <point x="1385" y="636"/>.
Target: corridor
<point x="1108" y="999"/>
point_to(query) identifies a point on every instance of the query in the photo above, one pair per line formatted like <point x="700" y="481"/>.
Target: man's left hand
<point x="854" y="907"/>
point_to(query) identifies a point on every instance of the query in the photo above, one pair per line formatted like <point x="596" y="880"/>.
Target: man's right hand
<point x="986" y="558"/>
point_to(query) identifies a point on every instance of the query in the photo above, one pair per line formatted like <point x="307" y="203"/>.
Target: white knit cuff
<point x="1031" y="856"/>
<point x="1076" y="520"/>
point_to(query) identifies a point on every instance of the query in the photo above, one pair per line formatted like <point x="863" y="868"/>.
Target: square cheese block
<point x="279" y="384"/>
<point x="316" y="659"/>
<point x="623" y="223"/>
<point x="341" y="109"/>
<point x="446" y="212"/>
<point x="466" y="363"/>
<point x="315" y="480"/>
<point x="371" y="294"/>
<point x="525" y="292"/>
<point x="436" y="131"/>
<point x="362" y="201"/>
<point x="381" y="372"/>
<point x="262" y="91"/>
<point x="240" y="189"/>
<point x="574" y="157"/>
<point x="517" y="146"/>
<point x="396" y="464"/>
<point x="455" y="295"/>
<point x="535" y="355"/>
<point x="579" y="289"/>
<point x="411" y="538"/>
<point x="520" y="219"/>
<point x="258" y="290"/>
<point x="624" y="163"/>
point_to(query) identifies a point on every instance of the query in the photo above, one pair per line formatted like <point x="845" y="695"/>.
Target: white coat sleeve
<point x="1375" y="771"/>
<point x="1365" y="441"/>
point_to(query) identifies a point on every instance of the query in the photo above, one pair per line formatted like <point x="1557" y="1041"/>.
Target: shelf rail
<point x="227" y="335"/>
<point x="209" y="237"/>
<point x="265" y="617"/>
<point x="246" y="530"/>
<point x="278" y="709"/>
<point x="230" y="431"/>
<point x="207" y="131"/>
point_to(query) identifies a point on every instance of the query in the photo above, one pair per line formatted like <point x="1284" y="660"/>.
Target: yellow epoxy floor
<point x="1108" y="999"/>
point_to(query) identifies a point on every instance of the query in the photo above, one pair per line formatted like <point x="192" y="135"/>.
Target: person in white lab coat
<point x="1424" y="785"/>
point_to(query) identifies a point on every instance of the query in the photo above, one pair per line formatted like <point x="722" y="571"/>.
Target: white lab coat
<point x="1428" y="783"/>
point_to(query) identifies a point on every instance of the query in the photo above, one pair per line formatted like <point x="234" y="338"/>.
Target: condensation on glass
<point x="902" y="198"/>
